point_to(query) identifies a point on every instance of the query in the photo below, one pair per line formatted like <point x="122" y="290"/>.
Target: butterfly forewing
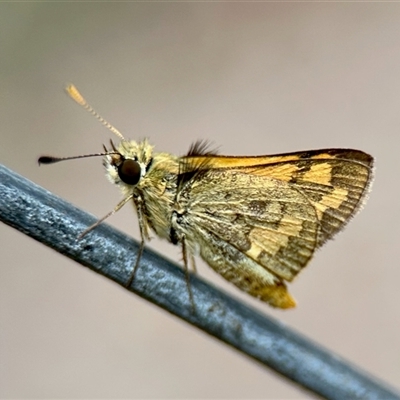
<point x="266" y="218"/>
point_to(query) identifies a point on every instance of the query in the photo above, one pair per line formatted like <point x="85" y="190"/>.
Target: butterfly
<point x="256" y="220"/>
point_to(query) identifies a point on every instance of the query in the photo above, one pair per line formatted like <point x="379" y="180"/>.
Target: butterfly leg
<point x="187" y="273"/>
<point x="144" y="235"/>
<point x="135" y="267"/>
<point x="193" y="264"/>
<point x="97" y="223"/>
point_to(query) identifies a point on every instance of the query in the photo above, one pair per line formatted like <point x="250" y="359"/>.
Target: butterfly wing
<point x="259" y="223"/>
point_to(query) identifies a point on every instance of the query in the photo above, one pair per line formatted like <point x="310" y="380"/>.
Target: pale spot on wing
<point x="271" y="241"/>
<point x="336" y="198"/>
<point x="282" y="172"/>
<point x="322" y="156"/>
<point x="319" y="173"/>
<point x="255" y="250"/>
<point x="332" y="200"/>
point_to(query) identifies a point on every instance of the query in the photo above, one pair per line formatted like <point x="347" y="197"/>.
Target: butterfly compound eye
<point x="130" y="172"/>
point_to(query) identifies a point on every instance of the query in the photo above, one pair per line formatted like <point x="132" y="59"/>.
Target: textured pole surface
<point x="56" y="223"/>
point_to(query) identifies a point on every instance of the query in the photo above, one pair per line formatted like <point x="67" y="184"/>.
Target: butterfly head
<point x="128" y="163"/>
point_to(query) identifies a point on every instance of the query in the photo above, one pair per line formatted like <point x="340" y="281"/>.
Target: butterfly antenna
<point x="73" y="92"/>
<point x="53" y="160"/>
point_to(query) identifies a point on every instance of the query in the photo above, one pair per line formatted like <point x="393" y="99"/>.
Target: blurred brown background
<point x="255" y="78"/>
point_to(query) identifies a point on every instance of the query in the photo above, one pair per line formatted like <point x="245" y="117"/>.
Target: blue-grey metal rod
<point x="56" y="223"/>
